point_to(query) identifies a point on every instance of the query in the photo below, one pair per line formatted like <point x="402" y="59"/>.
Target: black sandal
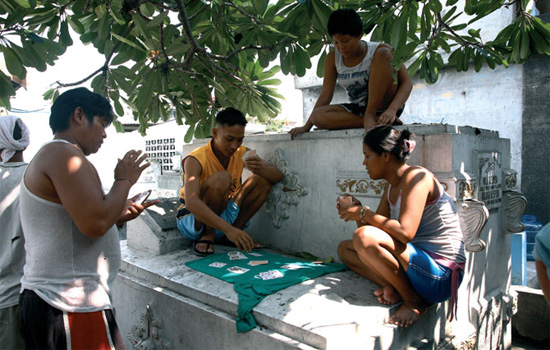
<point x="208" y="243"/>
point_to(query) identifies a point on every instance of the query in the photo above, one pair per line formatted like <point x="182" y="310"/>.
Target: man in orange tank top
<point x="215" y="202"/>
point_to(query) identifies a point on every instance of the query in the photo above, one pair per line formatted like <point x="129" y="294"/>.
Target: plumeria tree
<point x="189" y="57"/>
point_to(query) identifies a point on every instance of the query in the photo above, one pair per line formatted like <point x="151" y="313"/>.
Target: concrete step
<point x="334" y="311"/>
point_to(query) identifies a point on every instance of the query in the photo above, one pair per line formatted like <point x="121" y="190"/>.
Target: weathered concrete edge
<point x="419" y="129"/>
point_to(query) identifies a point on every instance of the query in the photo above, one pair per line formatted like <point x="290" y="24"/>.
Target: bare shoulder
<point x="55" y="163"/>
<point x="383" y="53"/>
<point x="330" y="61"/>
<point x="191" y="166"/>
<point x="418" y="175"/>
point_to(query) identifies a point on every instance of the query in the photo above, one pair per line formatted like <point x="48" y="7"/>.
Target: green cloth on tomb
<point x="250" y="289"/>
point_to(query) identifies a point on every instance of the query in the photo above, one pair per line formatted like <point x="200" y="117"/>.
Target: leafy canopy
<point x="189" y="58"/>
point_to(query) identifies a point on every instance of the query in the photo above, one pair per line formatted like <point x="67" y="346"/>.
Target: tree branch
<point x="63" y="85"/>
<point x="103" y="68"/>
<point x="457" y="37"/>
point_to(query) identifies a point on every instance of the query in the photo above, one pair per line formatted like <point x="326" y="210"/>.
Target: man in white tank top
<point x="71" y="241"/>
<point x="364" y="70"/>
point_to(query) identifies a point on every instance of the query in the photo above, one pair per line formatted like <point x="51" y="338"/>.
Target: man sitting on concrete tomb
<point x="215" y="203"/>
<point x="364" y="70"/>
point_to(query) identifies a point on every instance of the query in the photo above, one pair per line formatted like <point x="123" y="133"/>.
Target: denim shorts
<point x="186" y="224"/>
<point x="429" y="279"/>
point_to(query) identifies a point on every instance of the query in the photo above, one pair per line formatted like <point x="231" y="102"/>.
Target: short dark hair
<point x="230" y="116"/>
<point x="92" y="104"/>
<point x="345" y="21"/>
<point x="387" y="139"/>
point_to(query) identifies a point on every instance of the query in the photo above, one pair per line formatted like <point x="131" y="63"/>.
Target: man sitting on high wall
<point x="215" y="203"/>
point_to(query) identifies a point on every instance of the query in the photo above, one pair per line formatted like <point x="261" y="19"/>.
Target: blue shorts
<point x="186" y="224"/>
<point x="429" y="279"/>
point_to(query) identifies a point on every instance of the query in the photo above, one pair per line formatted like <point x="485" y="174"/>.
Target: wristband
<point x="362" y="215"/>
<point x="123" y="178"/>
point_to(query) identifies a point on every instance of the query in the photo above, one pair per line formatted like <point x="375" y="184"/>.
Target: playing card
<point x="236" y="269"/>
<point x="257" y="262"/>
<point x="255" y="254"/>
<point x="217" y="264"/>
<point x="249" y="153"/>
<point x="238" y="257"/>
<point x="269" y="275"/>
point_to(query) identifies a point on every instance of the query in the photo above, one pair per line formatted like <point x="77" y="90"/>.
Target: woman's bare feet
<point x="387" y="295"/>
<point x="407" y="314"/>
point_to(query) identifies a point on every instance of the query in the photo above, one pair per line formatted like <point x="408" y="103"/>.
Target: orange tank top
<point x="210" y="165"/>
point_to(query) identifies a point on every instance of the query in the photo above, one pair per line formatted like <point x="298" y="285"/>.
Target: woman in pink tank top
<point x="412" y="245"/>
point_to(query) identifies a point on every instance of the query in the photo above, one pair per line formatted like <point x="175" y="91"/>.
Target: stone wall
<point x="536" y="135"/>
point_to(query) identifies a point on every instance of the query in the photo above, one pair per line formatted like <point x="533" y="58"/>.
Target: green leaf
<point x="145" y="92"/>
<point x="128" y="42"/>
<point x="64" y="35"/>
<point x="449" y="13"/>
<point x="147" y="9"/>
<point x="321" y="64"/>
<point x="23" y="3"/>
<point x="490" y="62"/>
<point x="524" y="50"/>
<point x="478" y="62"/>
<point x="435" y="5"/>
<point x="118" y="108"/>
<point x="459" y="27"/>
<point x="158" y="20"/>
<point x="6" y="90"/>
<point x="13" y="63"/>
<point x="540" y="43"/>
<point x="118" y="126"/>
<point x="48" y="95"/>
<point x="413" y="68"/>
<point x="260" y="6"/>
<point x="76" y="25"/>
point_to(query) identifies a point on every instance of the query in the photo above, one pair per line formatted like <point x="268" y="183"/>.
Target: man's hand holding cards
<point x="252" y="161"/>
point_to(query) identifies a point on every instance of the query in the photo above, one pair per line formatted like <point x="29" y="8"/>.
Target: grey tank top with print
<point x="355" y="80"/>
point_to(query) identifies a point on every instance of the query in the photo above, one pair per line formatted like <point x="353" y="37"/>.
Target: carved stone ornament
<point x="466" y="189"/>
<point x="145" y="335"/>
<point x="361" y="186"/>
<point x="284" y="194"/>
<point x="510" y="179"/>
<point x="358" y="183"/>
<point x="473" y="216"/>
<point x="514" y="204"/>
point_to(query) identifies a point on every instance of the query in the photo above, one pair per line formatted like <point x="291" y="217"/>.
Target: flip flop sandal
<point x="208" y="243"/>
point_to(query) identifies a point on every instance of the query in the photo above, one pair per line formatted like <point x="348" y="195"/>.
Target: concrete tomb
<point x="161" y="303"/>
